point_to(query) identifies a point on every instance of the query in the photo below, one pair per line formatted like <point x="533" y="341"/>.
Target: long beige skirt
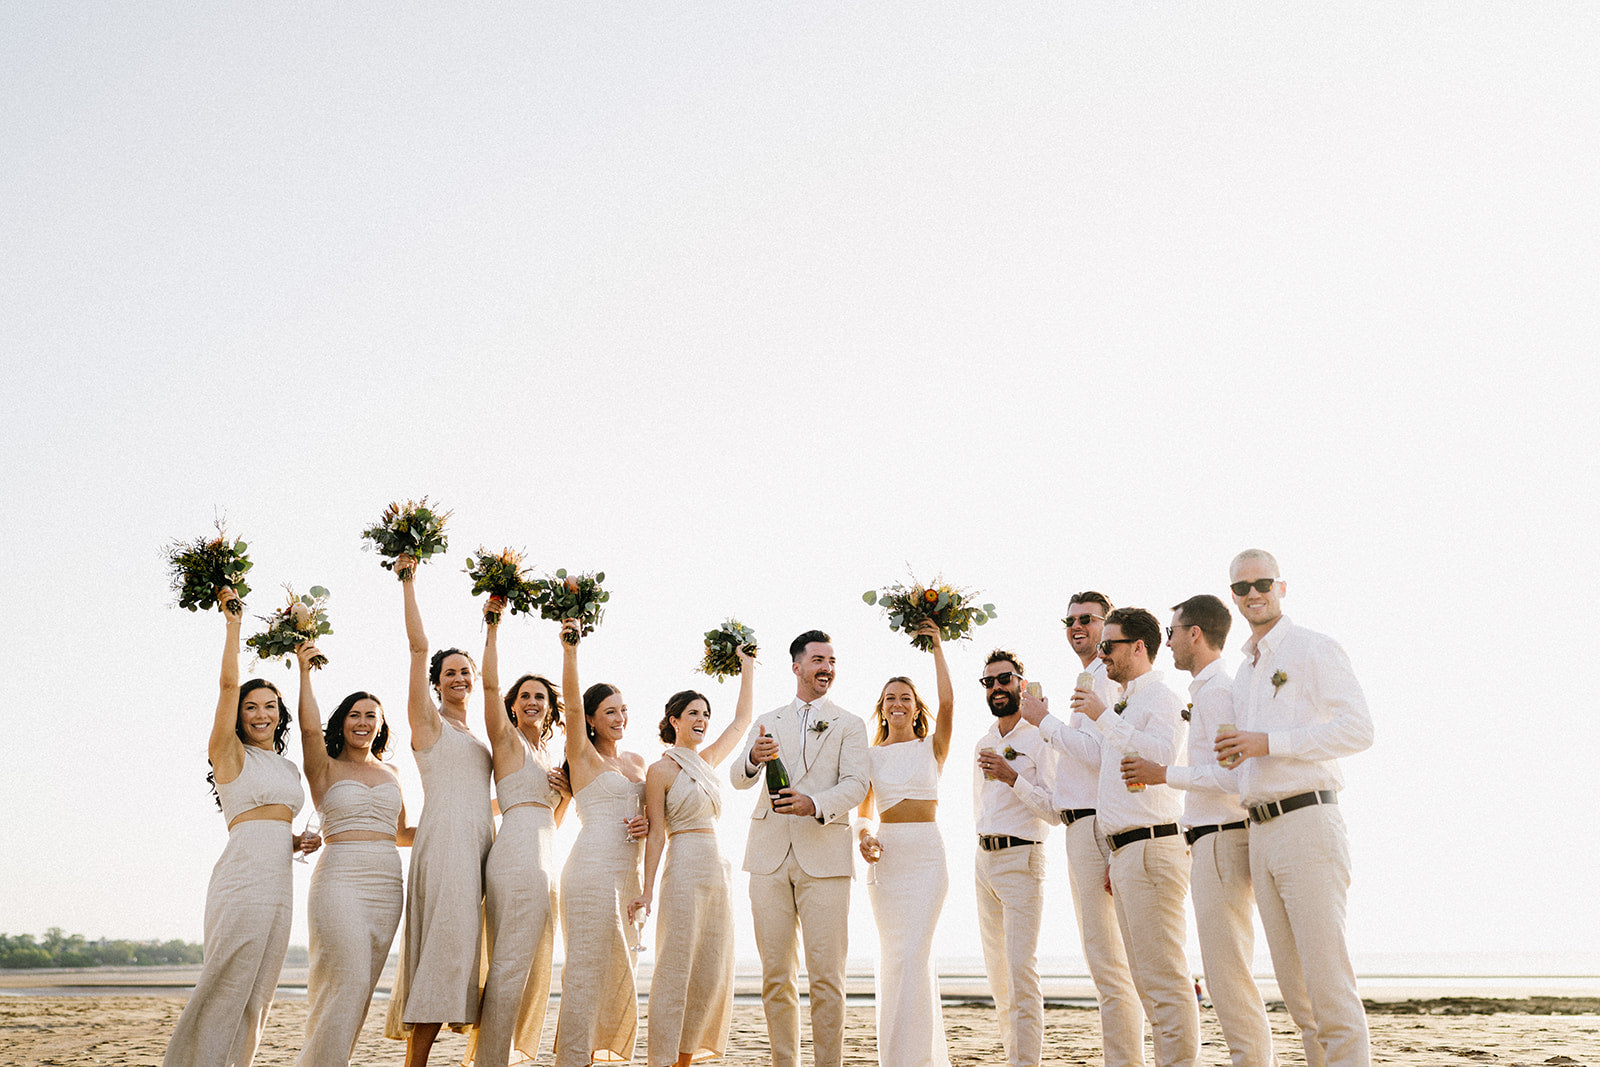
<point x="691" y="990"/>
<point x="907" y="888"/>
<point x="520" y="906"/>
<point x="354" y="908"/>
<point x="249" y="903"/>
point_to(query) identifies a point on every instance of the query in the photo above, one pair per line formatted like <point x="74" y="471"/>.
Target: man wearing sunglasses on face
<point x="1013" y="809"/>
<point x="1149" y="858"/>
<point x="1299" y="710"/>
<point x="1075" y="791"/>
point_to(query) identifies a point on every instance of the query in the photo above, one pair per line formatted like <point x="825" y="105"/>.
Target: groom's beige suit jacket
<point x="831" y="767"/>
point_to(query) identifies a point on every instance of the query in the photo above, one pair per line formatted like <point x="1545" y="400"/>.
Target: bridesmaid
<point x="250" y="899"/>
<point x="356" y="892"/>
<point x="691" y="988"/>
<point x="441" y="952"/>
<point x="519" y="880"/>
<point x="599" y="1016"/>
<point x="907" y="878"/>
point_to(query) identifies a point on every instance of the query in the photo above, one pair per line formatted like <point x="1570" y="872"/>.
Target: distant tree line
<point x="56" y="949"/>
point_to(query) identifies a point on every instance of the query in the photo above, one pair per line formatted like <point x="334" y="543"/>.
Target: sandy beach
<point x="129" y="1027"/>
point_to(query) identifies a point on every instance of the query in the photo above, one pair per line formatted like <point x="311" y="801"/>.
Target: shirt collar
<point x="1208" y="672"/>
<point x="1269" y="641"/>
<point x="1147" y="678"/>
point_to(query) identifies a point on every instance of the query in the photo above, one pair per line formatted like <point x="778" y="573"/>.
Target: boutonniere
<point x="1188" y="710"/>
<point x="819" y="726"/>
<point x="1120" y="707"/>
<point x="1278" y="680"/>
<point x="1010" y="753"/>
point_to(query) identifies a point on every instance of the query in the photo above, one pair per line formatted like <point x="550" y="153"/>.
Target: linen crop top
<point x="693" y="800"/>
<point x="351" y="805"/>
<point x="266" y="778"/>
<point x="904" y="771"/>
<point x="530" y="785"/>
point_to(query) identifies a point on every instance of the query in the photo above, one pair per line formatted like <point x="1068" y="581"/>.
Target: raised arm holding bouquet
<point x="577" y="597"/>
<point x="500" y="575"/>
<point x="299" y="622"/>
<point x="954" y="611"/>
<point x="437" y="984"/>
<point x="408" y="534"/>
<point x="725" y="650"/>
<point x="208" y="571"/>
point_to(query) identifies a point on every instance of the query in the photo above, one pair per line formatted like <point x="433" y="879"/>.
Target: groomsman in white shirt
<point x="1216" y="828"/>
<point x="1149" y="861"/>
<point x="1074" y="792"/>
<point x="1013" y="810"/>
<point x="1299" y="709"/>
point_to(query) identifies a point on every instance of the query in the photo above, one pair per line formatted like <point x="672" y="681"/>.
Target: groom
<point x="799" y="852"/>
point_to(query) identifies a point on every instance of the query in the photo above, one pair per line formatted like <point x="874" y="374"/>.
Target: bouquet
<point x="203" y="567"/>
<point x="410" y="529"/>
<point x="302" y="619"/>
<point x="953" y="610"/>
<point x="579" y="597"/>
<point x="722" y="649"/>
<point x="500" y="575"/>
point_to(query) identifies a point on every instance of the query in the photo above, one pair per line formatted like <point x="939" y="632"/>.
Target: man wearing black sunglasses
<point x="1299" y="710"/>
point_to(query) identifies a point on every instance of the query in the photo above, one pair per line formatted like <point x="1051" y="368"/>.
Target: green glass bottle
<point x="777" y="778"/>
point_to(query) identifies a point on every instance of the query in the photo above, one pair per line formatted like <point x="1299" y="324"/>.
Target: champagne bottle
<point x="777" y="778"/>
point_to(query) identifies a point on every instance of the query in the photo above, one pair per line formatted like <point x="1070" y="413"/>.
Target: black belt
<point x="1196" y="833"/>
<point x="996" y="842"/>
<point x="1143" y="833"/>
<point x="1072" y="815"/>
<point x="1263" y="812"/>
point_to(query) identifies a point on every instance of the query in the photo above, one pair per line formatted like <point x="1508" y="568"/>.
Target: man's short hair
<point x="1089" y="596"/>
<point x="1259" y="554"/>
<point x="797" y="647"/>
<point x="1139" y="624"/>
<point x="1210" y="614"/>
<point x="1001" y="655"/>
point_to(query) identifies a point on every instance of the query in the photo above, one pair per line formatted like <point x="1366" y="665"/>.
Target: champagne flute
<point x="634" y="809"/>
<point x="313" y="824"/>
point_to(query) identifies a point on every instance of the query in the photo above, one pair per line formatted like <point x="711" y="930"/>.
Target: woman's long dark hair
<point x="279" y="735"/>
<point x="593" y="697"/>
<point x="333" y="732"/>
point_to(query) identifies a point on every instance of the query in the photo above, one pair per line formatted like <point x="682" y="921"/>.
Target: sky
<point x="757" y="308"/>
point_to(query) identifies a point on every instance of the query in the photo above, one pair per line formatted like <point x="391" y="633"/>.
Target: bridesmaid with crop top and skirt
<point x="519" y="878"/>
<point x="356" y="893"/>
<point x="907" y="878"/>
<point x="691" y="987"/>
<point x="250" y="899"/>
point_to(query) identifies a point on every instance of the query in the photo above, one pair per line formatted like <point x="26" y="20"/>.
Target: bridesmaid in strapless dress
<point x="599" y="1016"/>
<point x="691" y="987"/>
<point x="250" y="898"/>
<point x="438" y="983"/>
<point x="519" y="880"/>
<point x="356" y="892"/>
<point x="907" y="877"/>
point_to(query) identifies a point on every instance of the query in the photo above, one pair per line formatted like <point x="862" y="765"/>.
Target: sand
<point x="130" y="1030"/>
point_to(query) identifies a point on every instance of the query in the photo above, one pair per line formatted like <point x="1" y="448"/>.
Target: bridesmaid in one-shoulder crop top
<point x="250" y="899"/>
<point x="356" y="895"/>
<point x="907" y="876"/>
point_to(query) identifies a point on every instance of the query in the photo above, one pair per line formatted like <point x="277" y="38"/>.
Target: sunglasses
<point x="1104" y="647"/>
<point x="1082" y="620"/>
<point x="989" y="681"/>
<point x="1260" y="585"/>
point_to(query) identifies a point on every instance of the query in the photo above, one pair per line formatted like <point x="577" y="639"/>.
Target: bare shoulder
<point x="664" y="770"/>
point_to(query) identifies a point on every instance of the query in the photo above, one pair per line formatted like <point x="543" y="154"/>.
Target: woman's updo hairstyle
<point x="676" y="705"/>
<point x="436" y="664"/>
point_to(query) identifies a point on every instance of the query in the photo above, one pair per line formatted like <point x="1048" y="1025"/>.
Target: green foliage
<point x="500" y="575"/>
<point x="301" y="619"/>
<point x="721" y="660"/>
<point x="953" y="610"/>
<point x="410" y="529"/>
<point x="577" y="597"/>
<point x="206" y="565"/>
<point x="58" y="950"/>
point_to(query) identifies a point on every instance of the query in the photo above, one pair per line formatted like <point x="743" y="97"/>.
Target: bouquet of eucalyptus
<point x="954" y="611"/>
<point x="302" y="619"/>
<point x="204" y="567"/>
<point x="500" y="575"/>
<point x="722" y="649"/>
<point x="411" y="529"/>
<point x="571" y="597"/>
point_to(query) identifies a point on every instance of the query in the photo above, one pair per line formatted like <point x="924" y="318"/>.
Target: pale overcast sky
<point x="757" y="307"/>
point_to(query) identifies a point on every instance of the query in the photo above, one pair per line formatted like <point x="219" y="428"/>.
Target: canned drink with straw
<point x="1232" y="760"/>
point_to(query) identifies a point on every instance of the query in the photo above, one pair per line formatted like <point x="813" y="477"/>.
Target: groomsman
<point x="1299" y="709"/>
<point x="1149" y="861"/>
<point x="1216" y="828"/>
<point x="1076" y="785"/>
<point x="1014" y="812"/>
<point x="799" y="852"/>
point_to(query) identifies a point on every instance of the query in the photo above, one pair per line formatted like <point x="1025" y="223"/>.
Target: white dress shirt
<point x="1024" y="809"/>
<point x="1152" y="726"/>
<point x="1315" y="715"/>
<point x="1077" y="745"/>
<point x="1211" y="796"/>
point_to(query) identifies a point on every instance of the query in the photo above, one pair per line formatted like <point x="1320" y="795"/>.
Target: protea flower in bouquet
<point x="301" y="619"/>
